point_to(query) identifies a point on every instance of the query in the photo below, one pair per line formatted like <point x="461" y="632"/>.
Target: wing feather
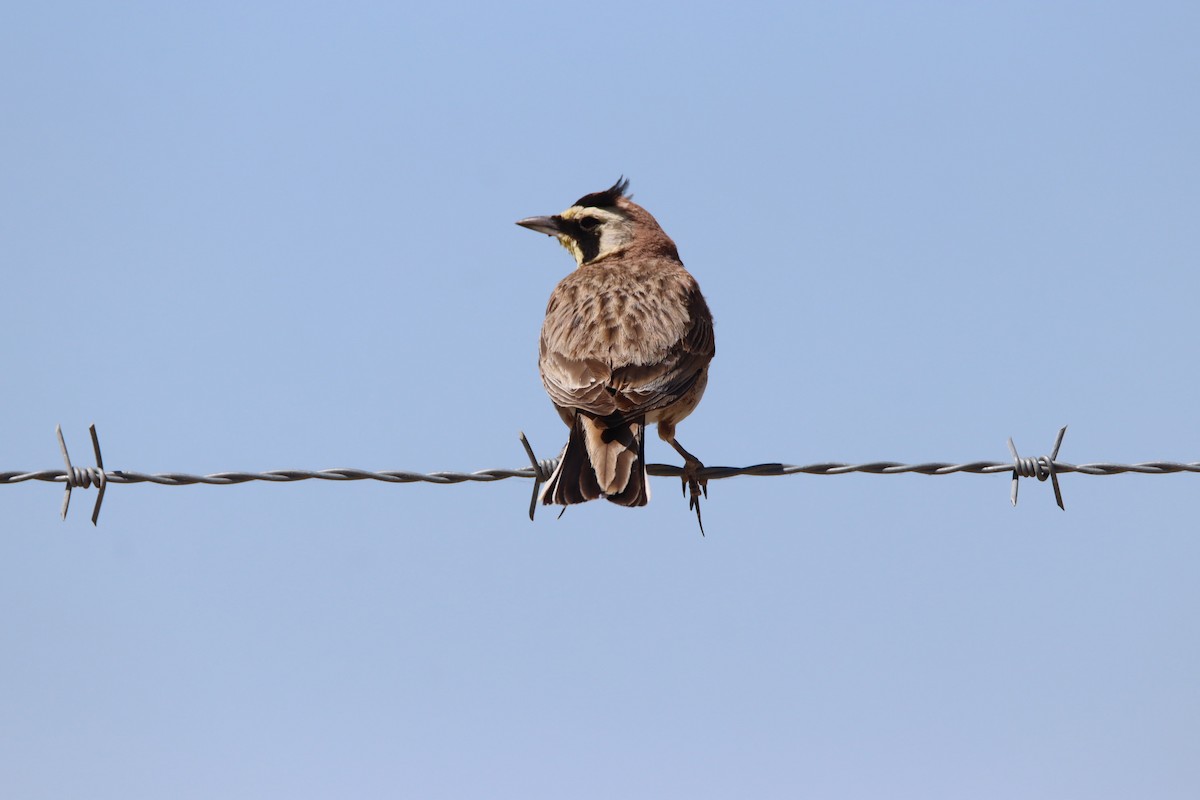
<point x="635" y="379"/>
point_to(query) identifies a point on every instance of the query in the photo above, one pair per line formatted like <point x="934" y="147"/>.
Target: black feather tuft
<point x="608" y="197"/>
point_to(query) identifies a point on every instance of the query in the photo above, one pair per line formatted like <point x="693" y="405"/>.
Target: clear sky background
<point x="277" y="235"/>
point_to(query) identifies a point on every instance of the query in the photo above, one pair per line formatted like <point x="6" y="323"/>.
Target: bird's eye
<point x="589" y="223"/>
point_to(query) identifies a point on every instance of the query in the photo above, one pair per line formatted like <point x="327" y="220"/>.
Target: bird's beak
<point x="551" y="226"/>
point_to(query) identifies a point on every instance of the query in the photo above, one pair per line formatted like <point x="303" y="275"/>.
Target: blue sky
<point x="259" y="236"/>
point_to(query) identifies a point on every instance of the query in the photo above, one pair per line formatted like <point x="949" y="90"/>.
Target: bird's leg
<point x="691" y="469"/>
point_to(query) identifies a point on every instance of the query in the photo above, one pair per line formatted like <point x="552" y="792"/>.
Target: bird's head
<point x="602" y="224"/>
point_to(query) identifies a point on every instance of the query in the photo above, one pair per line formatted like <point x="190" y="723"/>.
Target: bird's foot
<point x="697" y="485"/>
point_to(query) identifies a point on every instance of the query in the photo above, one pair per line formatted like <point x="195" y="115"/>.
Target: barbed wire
<point x="1040" y="467"/>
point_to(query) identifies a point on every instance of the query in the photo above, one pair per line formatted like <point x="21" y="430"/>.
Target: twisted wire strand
<point x="1039" y="467"/>
<point x="658" y="470"/>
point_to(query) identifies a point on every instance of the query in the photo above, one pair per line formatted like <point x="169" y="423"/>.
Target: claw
<point x="695" y="503"/>
<point x="696" y="486"/>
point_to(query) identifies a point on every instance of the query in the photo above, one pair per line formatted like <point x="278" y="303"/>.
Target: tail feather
<point x="601" y="461"/>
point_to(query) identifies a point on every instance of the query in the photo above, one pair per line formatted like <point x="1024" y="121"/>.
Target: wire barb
<point x="83" y="477"/>
<point x="542" y="470"/>
<point x="1041" y="468"/>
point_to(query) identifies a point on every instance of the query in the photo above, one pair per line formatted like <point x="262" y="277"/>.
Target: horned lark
<point x="626" y="342"/>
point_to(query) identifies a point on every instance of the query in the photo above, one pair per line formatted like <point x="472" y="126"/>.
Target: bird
<point x="626" y="343"/>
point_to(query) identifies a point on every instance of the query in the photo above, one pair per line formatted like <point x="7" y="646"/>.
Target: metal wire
<point x="1041" y="467"/>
